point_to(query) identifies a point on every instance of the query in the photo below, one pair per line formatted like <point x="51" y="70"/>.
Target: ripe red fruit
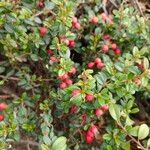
<point x="99" y="112"/>
<point x="49" y="51"/>
<point x="77" y="25"/>
<point x="40" y="4"/>
<point x="73" y="109"/>
<point x="71" y="43"/>
<point x="91" y="65"/>
<point x="76" y="92"/>
<point x="105" y="48"/>
<point x="105" y="107"/>
<point x="94" y="129"/>
<point x="89" y="97"/>
<point x="106" y="37"/>
<point x="89" y="139"/>
<point x="3" y="106"/>
<point x="74" y="20"/>
<point x="94" y="20"/>
<point x="104" y="17"/>
<point x="141" y="66"/>
<point x="68" y="82"/>
<point x="62" y="85"/>
<point x="98" y="60"/>
<point x="117" y="51"/>
<point x="66" y="41"/>
<point x="43" y="31"/>
<point x="1" y="117"/>
<point x="114" y="46"/>
<point x="73" y="71"/>
<point x="64" y="76"/>
<point x="53" y="59"/>
<point x="100" y="65"/>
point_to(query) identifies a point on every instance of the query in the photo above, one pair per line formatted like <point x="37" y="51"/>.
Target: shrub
<point x="70" y="75"/>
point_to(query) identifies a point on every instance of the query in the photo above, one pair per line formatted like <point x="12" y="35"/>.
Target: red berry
<point x="68" y="82"/>
<point x="3" y="106"/>
<point x="91" y="65"/>
<point x="98" y="60"/>
<point x="100" y="65"/>
<point x="1" y="117"/>
<point x="114" y="46"/>
<point x="98" y="112"/>
<point x="105" y="107"/>
<point x="106" y="37"/>
<point x="89" y="139"/>
<point x="43" y="31"/>
<point x="94" y="129"/>
<point x="71" y="43"/>
<point x="76" y="92"/>
<point x="104" y="17"/>
<point x="89" y="97"/>
<point x="64" y="76"/>
<point x="117" y="51"/>
<point x="141" y="66"/>
<point x="90" y="133"/>
<point x="63" y="85"/>
<point x="73" y="109"/>
<point x="66" y="41"/>
<point x="73" y="71"/>
<point x="94" y="20"/>
<point x="53" y="59"/>
<point x="77" y="25"/>
<point x="49" y="51"/>
<point x="74" y="20"/>
<point x="40" y="4"/>
<point x="105" y="48"/>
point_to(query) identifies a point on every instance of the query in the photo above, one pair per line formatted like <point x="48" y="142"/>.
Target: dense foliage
<point x="71" y="74"/>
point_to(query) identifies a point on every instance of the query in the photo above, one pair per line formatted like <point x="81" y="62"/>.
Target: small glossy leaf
<point x="143" y="132"/>
<point x="115" y="111"/>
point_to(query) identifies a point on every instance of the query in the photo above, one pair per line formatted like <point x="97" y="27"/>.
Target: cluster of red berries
<point x="100" y="111"/>
<point x="88" y="97"/>
<point x="97" y="62"/>
<point x="105" y="18"/>
<point x="75" y="23"/>
<point x="109" y="44"/>
<point x="65" y="78"/>
<point x="91" y="134"/>
<point x="3" y="107"/>
<point x="70" y="43"/>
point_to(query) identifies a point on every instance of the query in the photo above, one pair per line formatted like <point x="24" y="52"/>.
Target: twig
<point x="137" y="4"/>
<point x="113" y="3"/>
<point x="132" y="138"/>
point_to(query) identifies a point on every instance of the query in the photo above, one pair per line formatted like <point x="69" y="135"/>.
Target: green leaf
<point x="34" y="57"/>
<point x="129" y="121"/>
<point x="2" y="69"/>
<point x="148" y="143"/>
<point x="47" y="140"/>
<point x="77" y="100"/>
<point x="115" y="111"/>
<point x="44" y="147"/>
<point x="119" y="66"/>
<point x="146" y="63"/>
<point x="134" y="131"/>
<point x="143" y="132"/>
<point x="60" y="144"/>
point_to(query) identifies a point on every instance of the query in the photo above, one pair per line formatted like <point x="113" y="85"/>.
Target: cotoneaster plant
<point x="70" y="74"/>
